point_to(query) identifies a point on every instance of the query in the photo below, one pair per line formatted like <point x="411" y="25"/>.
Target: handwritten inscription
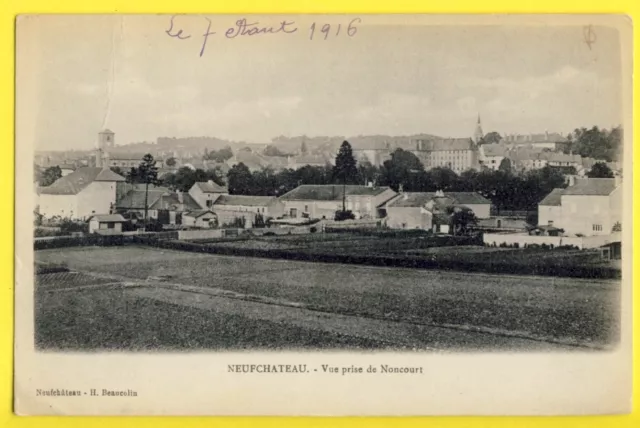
<point x="245" y="28"/>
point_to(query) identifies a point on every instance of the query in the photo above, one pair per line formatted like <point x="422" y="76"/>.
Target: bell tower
<point x="478" y="134"/>
<point x="106" y="142"/>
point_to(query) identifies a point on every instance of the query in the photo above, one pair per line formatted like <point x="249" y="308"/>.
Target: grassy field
<point x="576" y="311"/>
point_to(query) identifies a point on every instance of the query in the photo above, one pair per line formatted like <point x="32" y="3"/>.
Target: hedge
<point x="529" y="268"/>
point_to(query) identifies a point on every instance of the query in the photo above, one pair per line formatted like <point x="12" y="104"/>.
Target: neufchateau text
<point x="324" y="368"/>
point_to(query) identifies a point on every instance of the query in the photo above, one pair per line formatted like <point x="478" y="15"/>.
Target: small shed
<point x="106" y="224"/>
<point x="200" y="218"/>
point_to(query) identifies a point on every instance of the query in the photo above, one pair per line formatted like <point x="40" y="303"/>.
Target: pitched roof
<point x="245" y="200"/>
<point x="198" y="213"/>
<point x="592" y="186"/>
<point x="117" y="218"/>
<point x="128" y="156"/>
<point x="419" y="199"/>
<point x="211" y="187"/>
<point x="310" y="160"/>
<point x="553" y="198"/>
<point x="167" y="201"/>
<point x="330" y="192"/>
<point x="106" y="131"/>
<point x="442" y="144"/>
<point x="75" y="182"/>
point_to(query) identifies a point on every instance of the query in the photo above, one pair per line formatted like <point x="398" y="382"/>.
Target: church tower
<point x="106" y="142"/>
<point x="478" y="134"/>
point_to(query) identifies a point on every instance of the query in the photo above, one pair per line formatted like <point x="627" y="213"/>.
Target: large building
<point x="322" y="201"/>
<point x="589" y="206"/>
<point x="79" y="195"/>
<point x="457" y="154"/>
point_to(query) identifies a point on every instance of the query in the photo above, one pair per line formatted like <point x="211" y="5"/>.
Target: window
<point x="102" y="225"/>
<point x="209" y="203"/>
<point x="306" y="208"/>
<point x="293" y="212"/>
<point x="111" y="225"/>
<point x="597" y="227"/>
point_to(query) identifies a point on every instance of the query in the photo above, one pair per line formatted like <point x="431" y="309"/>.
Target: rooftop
<point x="442" y="144"/>
<point x="592" y="187"/>
<point x="553" y="198"/>
<point x="78" y="180"/>
<point x="245" y="200"/>
<point x="420" y="199"/>
<point x="117" y="218"/>
<point x="211" y="187"/>
<point x="330" y="192"/>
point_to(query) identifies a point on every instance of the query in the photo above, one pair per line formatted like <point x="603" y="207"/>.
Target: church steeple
<point x="478" y="134"/>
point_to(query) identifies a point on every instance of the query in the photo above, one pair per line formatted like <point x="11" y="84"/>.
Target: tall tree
<point x="505" y="165"/>
<point x="147" y="173"/>
<point x="492" y="137"/>
<point x="240" y="180"/>
<point x="600" y="170"/>
<point x="303" y="148"/>
<point x="404" y="168"/>
<point x="50" y="175"/>
<point x="345" y="169"/>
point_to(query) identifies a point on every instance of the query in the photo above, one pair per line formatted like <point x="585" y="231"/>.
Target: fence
<point x="98" y="240"/>
<point x="556" y="241"/>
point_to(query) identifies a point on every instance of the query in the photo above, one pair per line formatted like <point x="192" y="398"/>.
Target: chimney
<point x="572" y="180"/>
<point x="180" y="197"/>
<point x="400" y="190"/>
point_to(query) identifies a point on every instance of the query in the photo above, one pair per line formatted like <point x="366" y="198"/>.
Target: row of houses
<point x="586" y="207"/>
<point x="526" y="157"/>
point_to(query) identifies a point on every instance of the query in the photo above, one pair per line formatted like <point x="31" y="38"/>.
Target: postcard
<point x="323" y="215"/>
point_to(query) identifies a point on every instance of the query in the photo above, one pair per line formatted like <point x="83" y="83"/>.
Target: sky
<point x="127" y="74"/>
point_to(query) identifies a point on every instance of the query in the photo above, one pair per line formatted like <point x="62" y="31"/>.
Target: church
<point x="457" y="154"/>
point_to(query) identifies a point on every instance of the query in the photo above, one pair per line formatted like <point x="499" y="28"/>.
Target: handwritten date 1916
<point x="244" y="28"/>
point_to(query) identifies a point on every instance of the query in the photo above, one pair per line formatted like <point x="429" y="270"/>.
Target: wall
<point x="58" y="205"/>
<point x="408" y="218"/>
<point x="547" y="213"/>
<point x="480" y="210"/>
<point x="96" y="198"/>
<point x="522" y="239"/>
<point x="580" y="213"/>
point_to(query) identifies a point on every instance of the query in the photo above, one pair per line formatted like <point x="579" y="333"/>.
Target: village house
<point x="230" y="207"/>
<point x="164" y="205"/>
<point x="106" y="224"/>
<point x="431" y="210"/>
<point x="205" y="193"/>
<point x="322" y="201"/>
<point x="492" y="155"/>
<point x="204" y="219"/>
<point x="126" y="161"/>
<point x="588" y="207"/>
<point x="79" y="195"/>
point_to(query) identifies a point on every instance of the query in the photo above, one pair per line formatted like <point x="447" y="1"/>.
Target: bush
<point x="313" y="229"/>
<point x="344" y="215"/>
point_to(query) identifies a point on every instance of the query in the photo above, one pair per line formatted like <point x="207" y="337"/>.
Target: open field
<point x="417" y="308"/>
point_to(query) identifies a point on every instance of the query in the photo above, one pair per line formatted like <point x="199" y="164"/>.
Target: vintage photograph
<point x="453" y="188"/>
<point x="236" y="198"/>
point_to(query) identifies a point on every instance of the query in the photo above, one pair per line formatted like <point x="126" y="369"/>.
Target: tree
<point x="461" y="219"/>
<point x="272" y="150"/>
<point x="146" y="173"/>
<point x="240" y="180"/>
<point x="345" y="169"/>
<point x="171" y="162"/>
<point x="117" y="170"/>
<point x="303" y="148"/>
<point x="492" y="137"/>
<point x="600" y="170"/>
<point x="617" y="227"/>
<point x="219" y="156"/>
<point x="404" y="168"/>
<point x="505" y="165"/>
<point x="50" y="175"/>
<point x="596" y="143"/>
